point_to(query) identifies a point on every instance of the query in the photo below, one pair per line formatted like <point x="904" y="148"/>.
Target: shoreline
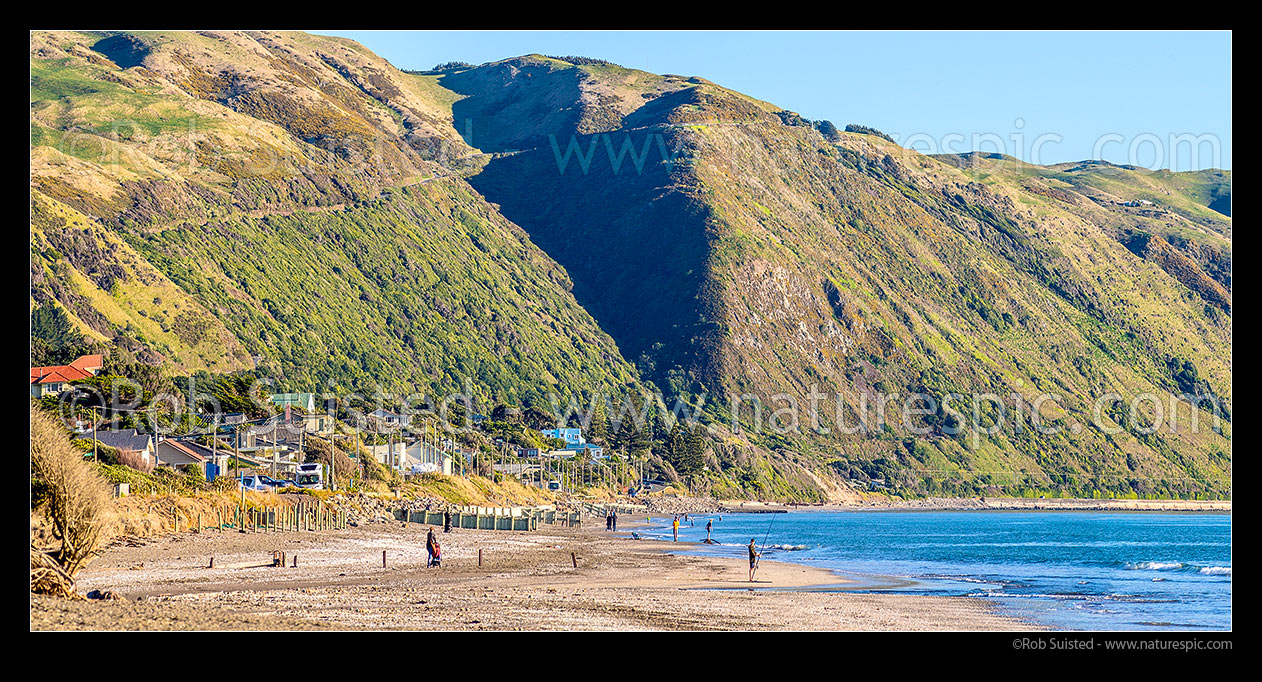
<point x="989" y="504"/>
<point x="528" y="581"/>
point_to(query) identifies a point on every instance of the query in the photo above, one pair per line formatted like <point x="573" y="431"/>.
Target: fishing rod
<point x="758" y="561"/>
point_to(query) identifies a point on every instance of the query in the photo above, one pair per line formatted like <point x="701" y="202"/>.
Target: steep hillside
<point x="198" y="198"/>
<point x="201" y="198"/>
<point x="749" y="254"/>
<point x="1190" y="211"/>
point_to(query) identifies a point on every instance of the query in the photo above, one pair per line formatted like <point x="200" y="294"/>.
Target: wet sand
<point x="527" y="581"/>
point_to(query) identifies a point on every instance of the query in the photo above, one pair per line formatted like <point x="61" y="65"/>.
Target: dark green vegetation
<point x="208" y="200"/>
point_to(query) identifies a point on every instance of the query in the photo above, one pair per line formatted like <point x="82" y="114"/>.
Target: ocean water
<point x="1065" y="570"/>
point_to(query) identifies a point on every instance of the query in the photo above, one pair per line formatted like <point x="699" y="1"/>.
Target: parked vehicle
<point x="310" y="476"/>
<point x="554" y="484"/>
<point x="277" y="482"/>
<point x="254" y="483"/>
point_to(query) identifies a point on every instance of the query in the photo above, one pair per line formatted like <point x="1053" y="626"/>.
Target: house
<point x="391" y="454"/>
<point x="423" y="457"/>
<point x="52" y="380"/>
<point x="128" y="440"/>
<point x="570" y="436"/>
<point x="271" y="435"/>
<point x="302" y="401"/>
<point x="313" y="423"/>
<point x="389" y="418"/>
<point x="586" y="448"/>
<point x="177" y="454"/>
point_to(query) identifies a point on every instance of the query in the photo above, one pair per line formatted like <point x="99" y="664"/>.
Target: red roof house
<point x="54" y="379"/>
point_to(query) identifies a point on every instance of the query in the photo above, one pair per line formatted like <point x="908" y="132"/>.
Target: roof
<point x="81" y="368"/>
<point x="293" y="398"/>
<point x="384" y="413"/>
<point x="57" y="374"/>
<point x="89" y="363"/>
<point x="127" y="439"/>
<point x="182" y="448"/>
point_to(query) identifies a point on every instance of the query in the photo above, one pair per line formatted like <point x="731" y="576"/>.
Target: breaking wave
<point x="1177" y="566"/>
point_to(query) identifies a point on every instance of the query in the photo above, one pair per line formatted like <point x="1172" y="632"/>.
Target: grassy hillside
<point x="757" y="256"/>
<point x="200" y="198"/>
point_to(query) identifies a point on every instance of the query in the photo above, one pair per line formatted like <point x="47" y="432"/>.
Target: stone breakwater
<point x="363" y="509"/>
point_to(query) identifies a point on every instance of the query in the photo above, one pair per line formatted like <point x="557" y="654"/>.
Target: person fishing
<point x="754" y="554"/>
<point x="753" y="558"/>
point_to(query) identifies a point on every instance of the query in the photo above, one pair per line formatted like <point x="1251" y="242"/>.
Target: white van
<point x="310" y="476"/>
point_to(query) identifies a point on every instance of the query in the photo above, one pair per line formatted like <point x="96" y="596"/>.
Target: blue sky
<point x="1143" y="97"/>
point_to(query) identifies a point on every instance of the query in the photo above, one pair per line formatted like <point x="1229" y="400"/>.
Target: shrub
<point x="581" y="61"/>
<point x="73" y="498"/>
<point x="133" y="459"/>
<point x="448" y="66"/>
<point x="828" y="130"/>
<point x="865" y="130"/>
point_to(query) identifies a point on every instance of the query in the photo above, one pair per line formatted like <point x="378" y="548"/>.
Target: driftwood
<point x="48" y="577"/>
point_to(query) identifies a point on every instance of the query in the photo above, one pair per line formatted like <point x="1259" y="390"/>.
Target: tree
<point x="598" y="424"/>
<point x="49" y="323"/>
<point x="536" y="418"/>
<point x="828" y="130"/>
<point x="684" y="451"/>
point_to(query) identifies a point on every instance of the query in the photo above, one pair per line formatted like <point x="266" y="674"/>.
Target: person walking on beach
<point x="608" y="520"/>
<point x="674" y="526"/>
<point x="753" y="559"/>
<point x="614" y="516"/>
<point x="431" y="547"/>
<point x="447" y="521"/>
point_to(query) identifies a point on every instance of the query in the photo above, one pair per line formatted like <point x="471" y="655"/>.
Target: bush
<point x="448" y="66"/>
<point x="828" y="130"/>
<point x="133" y="459"/>
<point x="865" y="130"/>
<point x="73" y="497"/>
<point x="581" y="61"/>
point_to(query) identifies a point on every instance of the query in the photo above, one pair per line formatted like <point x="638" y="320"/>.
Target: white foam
<point x="1154" y="566"/>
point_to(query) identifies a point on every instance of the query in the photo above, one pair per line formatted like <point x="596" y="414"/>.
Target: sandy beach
<point x="527" y="581"/>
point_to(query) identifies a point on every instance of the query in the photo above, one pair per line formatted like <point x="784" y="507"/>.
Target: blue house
<point x="571" y="437"/>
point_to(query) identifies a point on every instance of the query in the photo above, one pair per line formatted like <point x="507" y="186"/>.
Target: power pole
<point x="214" y="440"/>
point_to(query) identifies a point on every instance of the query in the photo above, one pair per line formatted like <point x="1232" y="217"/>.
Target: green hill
<point x="540" y="223"/>
<point x="302" y="201"/>
<point x="756" y="256"/>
